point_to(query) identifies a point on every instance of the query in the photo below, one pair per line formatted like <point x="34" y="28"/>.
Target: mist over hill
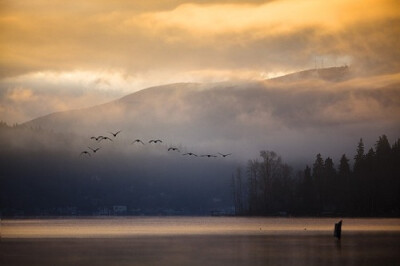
<point x="43" y="168"/>
<point x="296" y="117"/>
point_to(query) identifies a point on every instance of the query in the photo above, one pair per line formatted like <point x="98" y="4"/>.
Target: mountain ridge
<point x="327" y="74"/>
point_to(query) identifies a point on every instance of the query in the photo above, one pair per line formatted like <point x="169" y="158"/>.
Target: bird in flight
<point x="105" y="138"/>
<point x="173" y="149"/>
<point x="85" y="152"/>
<point x="137" y="140"/>
<point x="94" y="150"/>
<point x="224" y="155"/>
<point x="115" y="134"/>
<point x="190" y="153"/>
<point x="155" y="141"/>
<point x="97" y="138"/>
<point x="208" y="155"/>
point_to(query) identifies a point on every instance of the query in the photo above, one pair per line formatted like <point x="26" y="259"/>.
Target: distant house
<point x="120" y="210"/>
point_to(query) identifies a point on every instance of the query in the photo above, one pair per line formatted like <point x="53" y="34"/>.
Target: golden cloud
<point x="176" y="36"/>
<point x="21" y="95"/>
<point x="270" y="18"/>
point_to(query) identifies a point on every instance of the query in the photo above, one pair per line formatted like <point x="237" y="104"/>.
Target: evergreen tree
<point x="370" y="182"/>
<point x="344" y="167"/>
<point x="344" y="184"/>
<point x="360" y="156"/>
<point x="319" y="179"/>
<point x="396" y="175"/>
<point x="382" y="146"/>
<point x="307" y="191"/>
<point x="329" y="187"/>
<point x="359" y="188"/>
<point x="318" y="166"/>
<point x="387" y="192"/>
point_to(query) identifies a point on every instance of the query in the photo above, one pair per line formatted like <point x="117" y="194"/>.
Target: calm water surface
<point x="199" y="241"/>
<point x="159" y="226"/>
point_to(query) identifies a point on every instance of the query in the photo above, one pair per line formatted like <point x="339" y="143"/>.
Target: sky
<point x="60" y="55"/>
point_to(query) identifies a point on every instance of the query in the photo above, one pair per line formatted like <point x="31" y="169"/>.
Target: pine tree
<point x="318" y="178"/>
<point x="307" y="191"/>
<point x="344" y="167"/>
<point x="360" y="156"/>
<point x="382" y="146"/>
<point x="329" y="186"/>
<point x="370" y="181"/>
<point x="344" y="183"/>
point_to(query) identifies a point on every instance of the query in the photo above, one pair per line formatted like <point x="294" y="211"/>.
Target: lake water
<point x="199" y="241"/>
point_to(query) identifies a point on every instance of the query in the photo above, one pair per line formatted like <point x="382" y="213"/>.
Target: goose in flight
<point x="115" y="134"/>
<point x="105" y="138"/>
<point x="155" y="141"/>
<point x="208" y="155"/>
<point x="137" y="140"/>
<point x="94" y="150"/>
<point x="224" y="155"/>
<point x="190" y="153"/>
<point x="85" y="152"/>
<point x="173" y="149"/>
<point x="97" y="138"/>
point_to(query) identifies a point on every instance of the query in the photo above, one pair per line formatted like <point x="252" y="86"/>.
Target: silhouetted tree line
<point x="370" y="188"/>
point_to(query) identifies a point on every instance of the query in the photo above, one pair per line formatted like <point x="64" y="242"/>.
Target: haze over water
<point x="199" y="241"/>
<point x="178" y="226"/>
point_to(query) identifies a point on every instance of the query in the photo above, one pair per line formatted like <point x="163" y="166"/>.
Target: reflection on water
<point x="199" y="241"/>
<point x="164" y="226"/>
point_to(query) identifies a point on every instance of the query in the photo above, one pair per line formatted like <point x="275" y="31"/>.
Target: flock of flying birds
<point x="152" y="141"/>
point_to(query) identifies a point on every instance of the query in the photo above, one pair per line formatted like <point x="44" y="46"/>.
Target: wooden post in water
<point x="338" y="230"/>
